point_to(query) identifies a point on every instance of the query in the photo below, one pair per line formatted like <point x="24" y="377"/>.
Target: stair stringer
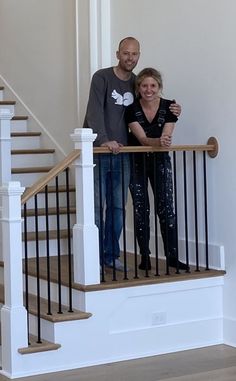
<point x="135" y="322"/>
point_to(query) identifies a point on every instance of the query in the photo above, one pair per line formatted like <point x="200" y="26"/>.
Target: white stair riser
<point x="47" y="328"/>
<point x="42" y="247"/>
<point x="11" y="108"/>
<point x="25" y="142"/>
<point x="76" y="294"/>
<point x="52" y="223"/>
<point x="24" y="161"/>
<point x="27" y="179"/>
<point x="19" y="125"/>
<point x="51" y="200"/>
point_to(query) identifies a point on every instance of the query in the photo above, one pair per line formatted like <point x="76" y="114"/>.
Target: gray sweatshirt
<point x="108" y="98"/>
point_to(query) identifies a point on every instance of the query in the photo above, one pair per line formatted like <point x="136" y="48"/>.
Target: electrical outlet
<point x="158" y="318"/>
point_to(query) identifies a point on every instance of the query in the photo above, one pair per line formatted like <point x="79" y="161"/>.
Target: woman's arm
<point x="163" y="141"/>
<point x="166" y="136"/>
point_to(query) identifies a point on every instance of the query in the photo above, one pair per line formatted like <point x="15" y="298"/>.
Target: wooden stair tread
<point x="52" y="189"/>
<point x="51" y="211"/>
<point x="32" y="151"/>
<point x="25" y="134"/>
<point x="36" y="347"/>
<point x="61" y="188"/>
<point x="30" y="170"/>
<point x="20" y="117"/>
<point x="42" y="235"/>
<point x="3" y="103"/>
<point x="55" y="317"/>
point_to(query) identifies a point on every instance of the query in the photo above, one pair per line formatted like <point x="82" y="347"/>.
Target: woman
<point x="151" y="123"/>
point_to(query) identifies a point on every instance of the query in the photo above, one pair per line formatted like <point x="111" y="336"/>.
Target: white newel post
<point x="5" y="155"/>
<point x="85" y="232"/>
<point x="13" y="312"/>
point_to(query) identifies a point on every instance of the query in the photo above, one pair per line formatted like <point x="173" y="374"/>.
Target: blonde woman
<point x="151" y="123"/>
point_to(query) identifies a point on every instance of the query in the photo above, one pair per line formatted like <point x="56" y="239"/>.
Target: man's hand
<point x="175" y="108"/>
<point x="113" y="146"/>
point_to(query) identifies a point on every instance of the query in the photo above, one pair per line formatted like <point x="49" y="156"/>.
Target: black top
<point x="153" y="129"/>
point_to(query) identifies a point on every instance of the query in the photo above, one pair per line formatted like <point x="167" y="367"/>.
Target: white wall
<point x="192" y="43"/>
<point x="37" y="59"/>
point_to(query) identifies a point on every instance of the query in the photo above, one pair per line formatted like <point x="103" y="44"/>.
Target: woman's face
<point x="149" y="89"/>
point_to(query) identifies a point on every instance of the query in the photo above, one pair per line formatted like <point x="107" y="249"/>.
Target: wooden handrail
<point x="211" y="147"/>
<point x="43" y="181"/>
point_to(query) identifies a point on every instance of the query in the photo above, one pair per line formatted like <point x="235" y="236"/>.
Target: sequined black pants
<point x="155" y="167"/>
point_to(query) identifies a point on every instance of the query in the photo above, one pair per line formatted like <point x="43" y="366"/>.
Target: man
<point x="112" y="89"/>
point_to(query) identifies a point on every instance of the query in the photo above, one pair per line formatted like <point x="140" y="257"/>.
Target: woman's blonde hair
<point x="148" y="72"/>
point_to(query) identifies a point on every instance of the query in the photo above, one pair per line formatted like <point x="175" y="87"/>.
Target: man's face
<point x="128" y="55"/>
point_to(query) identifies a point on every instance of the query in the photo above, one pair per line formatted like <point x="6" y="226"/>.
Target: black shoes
<point x="145" y="263"/>
<point x="174" y="262"/>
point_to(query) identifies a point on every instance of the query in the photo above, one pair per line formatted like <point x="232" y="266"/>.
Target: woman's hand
<point x="165" y="140"/>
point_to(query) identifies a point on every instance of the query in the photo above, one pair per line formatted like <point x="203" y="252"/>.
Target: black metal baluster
<point x="166" y="244"/>
<point x="58" y="247"/>
<point x="37" y="267"/>
<point x="186" y="208"/>
<point x="195" y="210"/>
<point x="123" y="215"/>
<point x="134" y="216"/>
<point x="205" y="209"/>
<point x="146" y="203"/>
<point x="47" y="251"/>
<point x="176" y="209"/>
<point x="155" y="215"/>
<point x="112" y="216"/>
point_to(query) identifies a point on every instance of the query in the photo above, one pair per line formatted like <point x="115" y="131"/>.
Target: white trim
<point x="105" y="33"/>
<point x="93" y="35"/>
<point x="100" y="34"/>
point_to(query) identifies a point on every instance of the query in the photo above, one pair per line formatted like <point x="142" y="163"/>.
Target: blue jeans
<point x="110" y="191"/>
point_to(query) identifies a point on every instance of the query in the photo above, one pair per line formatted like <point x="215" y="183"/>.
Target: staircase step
<point x="1" y="93"/>
<point x="24" y="134"/>
<point x="21" y="139"/>
<point x="42" y="235"/>
<point x="51" y="211"/>
<point x="61" y="188"/>
<point x="36" y="347"/>
<point x="33" y="151"/>
<point x="52" y="197"/>
<point x="55" y="317"/>
<point x="9" y="105"/>
<point x="6" y="103"/>
<point x="19" y="123"/>
<point x="18" y="117"/>
<point x="30" y="170"/>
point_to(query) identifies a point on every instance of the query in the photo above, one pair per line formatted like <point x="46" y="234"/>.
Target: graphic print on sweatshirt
<point x="122" y="100"/>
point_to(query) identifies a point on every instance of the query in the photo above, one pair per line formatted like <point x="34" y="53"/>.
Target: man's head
<point x="128" y="53"/>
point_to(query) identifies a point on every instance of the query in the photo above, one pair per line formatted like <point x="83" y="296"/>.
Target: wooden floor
<point x="217" y="363"/>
